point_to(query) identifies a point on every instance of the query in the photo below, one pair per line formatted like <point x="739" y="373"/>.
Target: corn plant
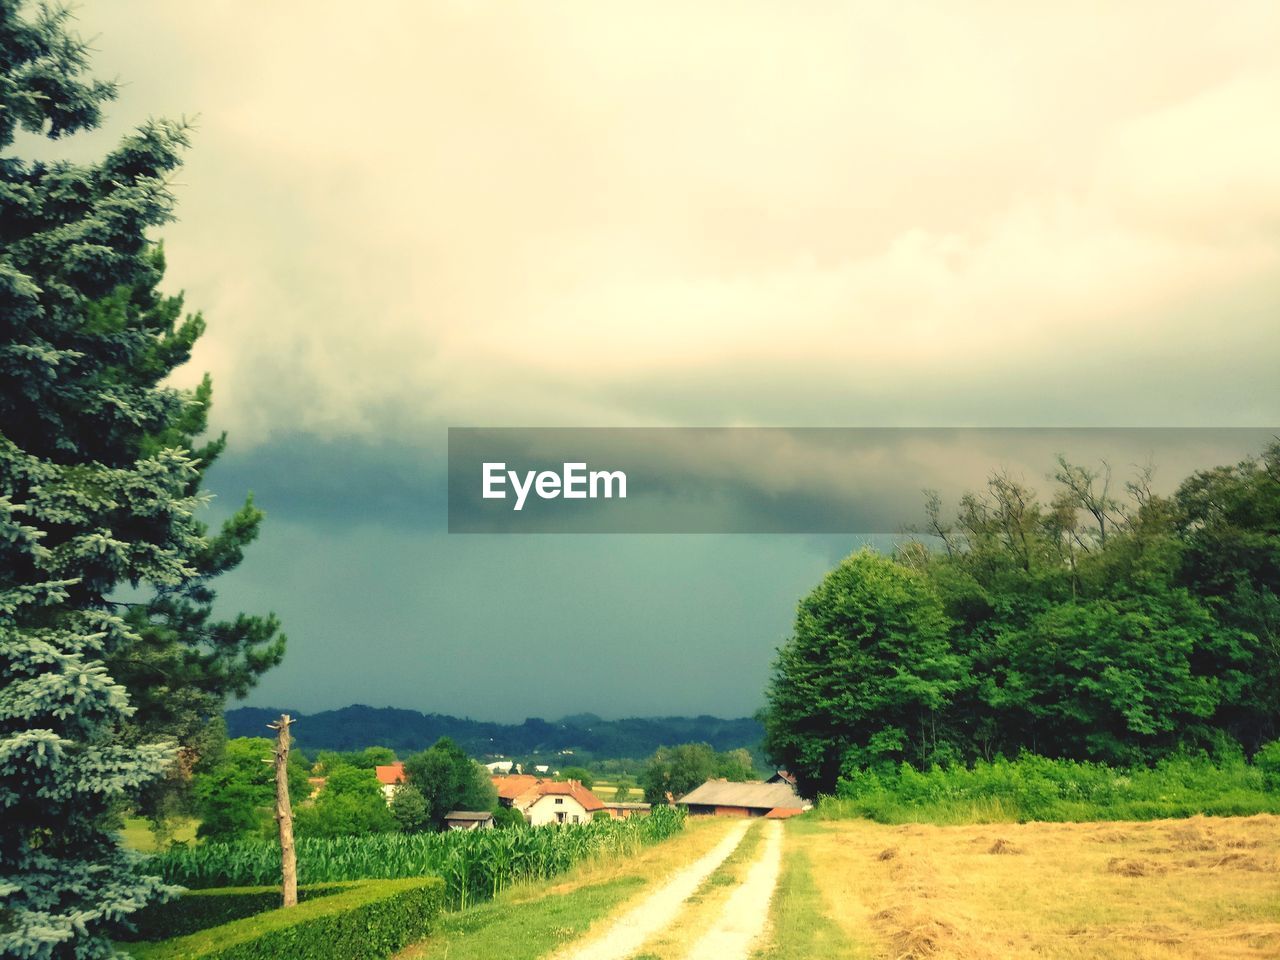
<point x="475" y="864"/>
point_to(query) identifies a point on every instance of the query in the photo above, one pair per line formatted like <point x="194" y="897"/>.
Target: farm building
<point x="390" y="776"/>
<point x="754" y="798"/>
<point x="622" y="811"/>
<point x="547" y="801"/>
<point x="468" y="820"/>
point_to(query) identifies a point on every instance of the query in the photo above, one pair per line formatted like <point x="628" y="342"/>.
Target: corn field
<point x="475" y="864"/>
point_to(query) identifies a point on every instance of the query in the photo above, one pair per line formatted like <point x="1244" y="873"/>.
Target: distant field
<point x="605" y="791"/>
<point x="138" y="835"/>
<point x="1200" y="888"/>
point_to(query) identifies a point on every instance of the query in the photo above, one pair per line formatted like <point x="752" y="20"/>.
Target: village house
<point x="512" y="786"/>
<point x="390" y="776"/>
<point x="468" y="820"/>
<point x="548" y="801"/>
<point x="775" y="799"/>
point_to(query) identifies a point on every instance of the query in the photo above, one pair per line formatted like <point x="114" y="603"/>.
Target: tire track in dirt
<point x="742" y="920"/>
<point x="629" y="931"/>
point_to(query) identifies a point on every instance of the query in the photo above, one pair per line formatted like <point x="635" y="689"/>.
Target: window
<point x="575" y="818"/>
<point x="559" y="799"/>
<point x="559" y="816"/>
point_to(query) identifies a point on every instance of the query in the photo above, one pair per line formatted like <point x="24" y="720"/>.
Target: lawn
<point x="1198" y="888"/>
<point x="138" y="835"/>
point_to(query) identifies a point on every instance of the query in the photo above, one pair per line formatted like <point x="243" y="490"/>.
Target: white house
<point x="548" y="801"/>
<point x="500" y="766"/>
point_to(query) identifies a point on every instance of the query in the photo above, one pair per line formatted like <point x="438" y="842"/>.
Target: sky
<point x="407" y="216"/>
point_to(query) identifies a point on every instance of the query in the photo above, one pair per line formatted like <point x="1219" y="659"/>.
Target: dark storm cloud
<point x="341" y="482"/>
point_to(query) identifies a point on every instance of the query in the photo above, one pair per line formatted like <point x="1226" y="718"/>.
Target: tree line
<point x="1099" y="624"/>
<point x="338" y="793"/>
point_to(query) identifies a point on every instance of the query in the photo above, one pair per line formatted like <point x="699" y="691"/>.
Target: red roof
<point x="566" y="788"/>
<point x="511" y="787"/>
<point x="391" y="773"/>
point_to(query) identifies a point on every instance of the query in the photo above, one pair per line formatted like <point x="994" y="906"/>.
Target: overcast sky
<point x="406" y="216"/>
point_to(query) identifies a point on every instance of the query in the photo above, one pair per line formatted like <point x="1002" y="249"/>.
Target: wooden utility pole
<point x="284" y="812"/>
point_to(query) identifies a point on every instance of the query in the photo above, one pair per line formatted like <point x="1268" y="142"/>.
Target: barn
<point x="753" y="798"/>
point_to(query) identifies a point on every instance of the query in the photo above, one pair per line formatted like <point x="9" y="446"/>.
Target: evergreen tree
<point x="98" y="488"/>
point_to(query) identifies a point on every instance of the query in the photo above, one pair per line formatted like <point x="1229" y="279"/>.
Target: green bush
<point x="1267" y="761"/>
<point x="201" y="909"/>
<point x="1037" y="788"/>
<point x="368" y="922"/>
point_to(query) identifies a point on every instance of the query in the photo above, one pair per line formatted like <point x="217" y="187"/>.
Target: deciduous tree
<point x="866" y="675"/>
<point x="448" y="779"/>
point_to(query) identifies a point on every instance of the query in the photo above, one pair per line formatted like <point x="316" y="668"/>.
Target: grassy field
<point x="800" y="927"/>
<point x="1199" y="888"/>
<point x="605" y="790"/>
<point x="533" y="920"/>
<point x="138" y="835"/>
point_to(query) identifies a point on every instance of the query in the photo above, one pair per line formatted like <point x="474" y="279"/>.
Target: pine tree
<point x="98" y="488"/>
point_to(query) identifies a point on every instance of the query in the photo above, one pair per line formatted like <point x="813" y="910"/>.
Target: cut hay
<point x="1135" y="868"/>
<point x="1190" y="836"/>
<point x="1233" y="861"/>
<point x="1111" y="836"/>
<point x="1005" y="847"/>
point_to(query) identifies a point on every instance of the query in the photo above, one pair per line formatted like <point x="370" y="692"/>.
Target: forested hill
<point x="406" y="731"/>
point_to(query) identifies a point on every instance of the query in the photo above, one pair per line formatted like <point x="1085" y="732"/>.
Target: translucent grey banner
<point x="789" y="480"/>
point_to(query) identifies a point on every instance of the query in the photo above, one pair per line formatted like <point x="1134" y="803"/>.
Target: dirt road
<point x="746" y="912"/>
<point x="655" y="912"/>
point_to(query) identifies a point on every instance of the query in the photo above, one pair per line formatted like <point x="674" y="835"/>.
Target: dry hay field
<point x="1204" y="888"/>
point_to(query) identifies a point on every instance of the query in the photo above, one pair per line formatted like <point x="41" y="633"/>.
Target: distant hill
<point x="407" y="731"/>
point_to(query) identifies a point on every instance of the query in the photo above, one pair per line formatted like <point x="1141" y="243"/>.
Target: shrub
<point x="1037" y="788"/>
<point x="200" y="909"/>
<point x="1267" y="760"/>
<point x="509" y="818"/>
<point x="372" y="920"/>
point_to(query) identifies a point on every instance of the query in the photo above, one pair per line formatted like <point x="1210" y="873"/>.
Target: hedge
<point x="369" y="921"/>
<point x="200" y="909"/>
